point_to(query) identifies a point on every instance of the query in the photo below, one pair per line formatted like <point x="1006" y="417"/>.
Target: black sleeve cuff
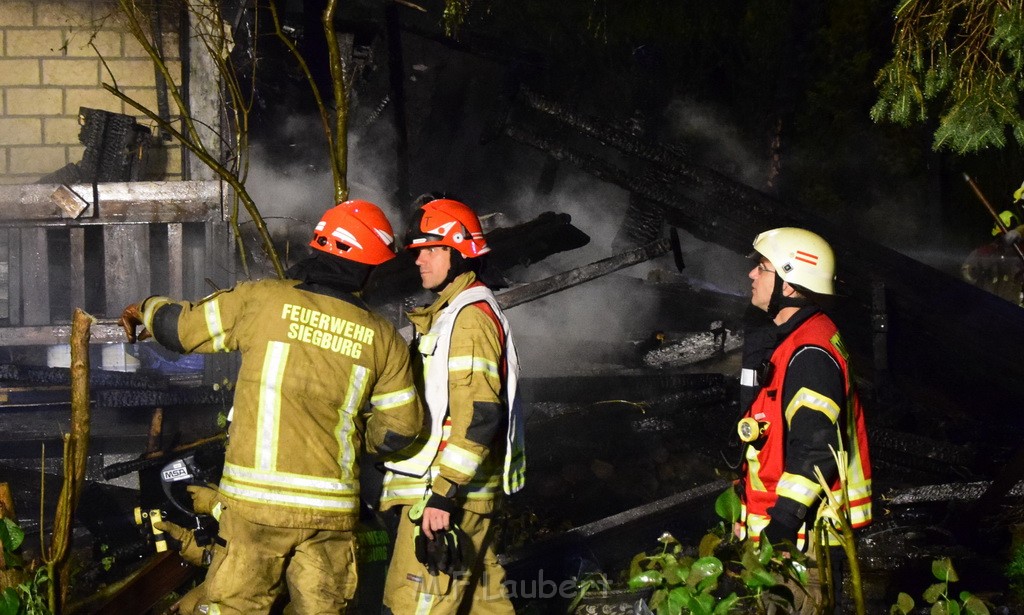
<point x="165" y="327"/>
<point x="785" y="521"/>
<point x="442" y="503"/>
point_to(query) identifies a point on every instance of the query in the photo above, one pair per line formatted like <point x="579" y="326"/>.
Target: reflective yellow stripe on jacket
<point x="264" y="483"/>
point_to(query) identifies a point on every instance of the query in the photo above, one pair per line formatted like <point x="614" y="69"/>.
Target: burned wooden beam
<point x="585" y="389"/>
<point x="61" y="376"/>
<point x="613" y="540"/>
<point x="690" y="348"/>
<point x="141" y="591"/>
<point x="116" y="150"/>
<point x="56" y="335"/>
<point x="575" y="277"/>
<point x="520" y="245"/>
<point x="118" y="202"/>
<point x="948" y="492"/>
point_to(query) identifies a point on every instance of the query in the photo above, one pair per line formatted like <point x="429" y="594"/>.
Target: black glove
<point x="782" y="527"/>
<point x="443" y="553"/>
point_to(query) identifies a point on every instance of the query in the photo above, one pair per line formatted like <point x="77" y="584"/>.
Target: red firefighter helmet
<point x="355" y="230"/>
<point x="444" y="222"/>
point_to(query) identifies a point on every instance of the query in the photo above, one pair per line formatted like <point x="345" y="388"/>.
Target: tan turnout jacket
<point x="310" y="363"/>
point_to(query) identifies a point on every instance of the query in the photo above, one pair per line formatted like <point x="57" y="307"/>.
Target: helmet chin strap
<point x="779" y="301"/>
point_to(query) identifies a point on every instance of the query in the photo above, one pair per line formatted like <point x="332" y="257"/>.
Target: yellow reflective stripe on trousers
<point x="345" y="430"/>
<point x="393" y="400"/>
<point x="424" y="602"/>
<point x="268" y="418"/>
<point x="476" y="364"/>
<point x="482" y="490"/>
<point x="815" y="401"/>
<point x="211" y="310"/>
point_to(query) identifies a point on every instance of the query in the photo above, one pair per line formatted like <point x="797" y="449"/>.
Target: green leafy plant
<point x="1015" y="571"/>
<point x="592" y="581"/>
<point x="11" y="537"/>
<point x="34" y="599"/>
<point x="938" y="595"/>
<point x="723" y="575"/>
<point x="29" y="597"/>
<point x="680" y="581"/>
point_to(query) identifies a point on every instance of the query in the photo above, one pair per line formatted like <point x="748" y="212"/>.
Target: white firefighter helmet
<point x="799" y="257"/>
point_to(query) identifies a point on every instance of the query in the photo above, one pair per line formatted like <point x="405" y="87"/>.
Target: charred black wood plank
<point x="164" y="573"/>
<point x="122" y="202"/>
<point x="34" y="375"/>
<point x="520" y="245"/>
<point x="633" y="387"/>
<point x="575" y="277"/>
<point x="613" y="540"/>
<point x="104" y="332"/>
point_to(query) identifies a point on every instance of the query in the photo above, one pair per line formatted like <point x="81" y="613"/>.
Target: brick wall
<point x="50" y="66"/>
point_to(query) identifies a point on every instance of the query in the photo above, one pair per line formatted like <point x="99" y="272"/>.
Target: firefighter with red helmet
<point x="803" y="404"/>
<point x="320" y="376"/>
<point x="447" y="488"/>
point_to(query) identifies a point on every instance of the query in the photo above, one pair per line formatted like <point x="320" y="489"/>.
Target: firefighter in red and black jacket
<point x="803" y="403"/>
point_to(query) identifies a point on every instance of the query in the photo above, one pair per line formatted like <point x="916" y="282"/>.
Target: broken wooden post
<point x="156" y="428"/>
<point x="76" y="452"/>
<point x="992" y="212"/>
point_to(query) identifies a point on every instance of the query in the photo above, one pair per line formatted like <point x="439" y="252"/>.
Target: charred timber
<point x="613" y="540"/>
<point x="140" y="592"/>
<point x="575" y="277"/>
<point x="520" y="245"/>
<point x="656" y="191"/>
<point x="946" y="492"/>
<point x="118" y="202"/>
<point x="104" y="332"/>
<point x="668" y="165"/>
<point x="30" y="375"/>
<point x="635" y="387"/>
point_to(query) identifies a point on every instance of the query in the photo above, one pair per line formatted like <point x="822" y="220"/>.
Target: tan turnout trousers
<point x="414" y="591"/>
<point x="248" y="575"/>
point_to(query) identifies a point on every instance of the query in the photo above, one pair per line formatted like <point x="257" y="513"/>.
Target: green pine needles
<point x="959" y="60"/>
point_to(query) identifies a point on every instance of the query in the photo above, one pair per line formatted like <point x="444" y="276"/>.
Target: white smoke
<point x="716" y="142"/>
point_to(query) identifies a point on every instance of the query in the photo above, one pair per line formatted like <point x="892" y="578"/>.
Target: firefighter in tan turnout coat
<point x="447" y="488"/>
<point x="314" y="359"/>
